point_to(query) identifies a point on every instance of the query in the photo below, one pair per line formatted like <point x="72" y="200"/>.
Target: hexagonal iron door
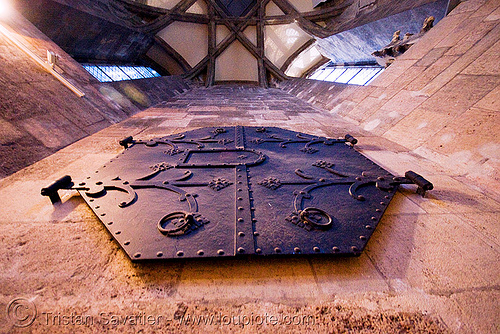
<point x="231" y="191"/>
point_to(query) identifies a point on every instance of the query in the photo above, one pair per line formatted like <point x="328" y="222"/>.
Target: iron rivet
<point x="316" y="249"/>
<point x="82" y="183"/>
<point x="382" y="203"/>
<point x="354" y="249"/>
<point x="254" y="220"/>
<point x="97" y="206"/>
<point x="137" y="255"/>
<point x="322" y="180"/>
<point x="110" y="223"/>
<point x="374" y="218"/>
<point x="378" y="210"/>
<point x="241" y="220"/>
<point x="103" y="214"/>
<point x="240" y="198"/>
<point x="277" y="250"/>
<point x="98" y="183"/>
<point x="239" y="189"/>
<point x="126" y="243"/>
<point x="258" y="251"/>
<point x="220" y="252"/>
<point x="240" y="208"/>
<point x="381" y="178"/>
<point x="180" y="253"/>
<point x="256" y="234"/>
<point x="239" y="182"/>
<point x="159" y="254"/>
<point x="362" y="237"/>
<point x="296" y="250"/>
<point x="387" y="197"/>
<point x="91" y="200"/>
<point x="368" y="227"/>
<point x="241" y="250"/>
<point x="335" y="249"/>
<point x="200" y="252"/>
<point x="118" y="232"/>
<point x="241" y="234"/>
<point x="358" y="179"/>
<point x="125" y="182"/>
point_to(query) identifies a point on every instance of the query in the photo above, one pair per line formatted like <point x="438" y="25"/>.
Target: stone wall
<point x="39" y="115"/>
<point x="143" y="93"/>
<point x="439" y="99"/>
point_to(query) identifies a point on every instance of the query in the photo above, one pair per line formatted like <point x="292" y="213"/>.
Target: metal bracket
<point x="350" y="139"/>
<point x="410" y="178"/>
<point x="64" y="182"/>
<point x="126" y="141"/>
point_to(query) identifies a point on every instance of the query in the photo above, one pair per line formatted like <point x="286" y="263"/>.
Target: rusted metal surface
<point x="233" y="191"/>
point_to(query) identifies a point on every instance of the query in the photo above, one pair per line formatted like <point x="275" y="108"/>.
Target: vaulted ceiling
<point x="211" y="40"/>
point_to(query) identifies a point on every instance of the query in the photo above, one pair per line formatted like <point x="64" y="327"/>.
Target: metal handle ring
<point x="187" y="217"/>
<point x="304" y="216"/>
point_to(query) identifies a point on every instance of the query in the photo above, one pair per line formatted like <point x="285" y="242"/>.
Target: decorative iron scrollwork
<point x="173" y="151"/>
<point x="328" y="166"/>
<point x="157" y="169"/>
<point x="219" y="184"/>
<point x="225" y="141"/>
<point x="100" y="188"/>
<point x="309" y="150"/>
<point x="152" y="195"/>
<point x="271" y="183"/>
<point x="219" y="131"/>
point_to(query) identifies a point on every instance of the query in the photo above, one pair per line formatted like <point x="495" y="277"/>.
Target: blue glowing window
<point x="352" y="75"/>
<point x="106" y="73"/>
<point x="97" y="73"/>
<point x="114" y="72"/>
<point x="131" y="72"/>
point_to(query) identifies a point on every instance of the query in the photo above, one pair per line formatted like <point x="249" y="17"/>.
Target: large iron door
<point x="229" y="191"/>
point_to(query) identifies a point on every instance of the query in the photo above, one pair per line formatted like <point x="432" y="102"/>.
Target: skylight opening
<point x="108" y="73"/>
<point x="352" y="75"/>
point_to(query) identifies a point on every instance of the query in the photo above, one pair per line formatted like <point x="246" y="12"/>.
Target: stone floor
<point x="431" y="266"/>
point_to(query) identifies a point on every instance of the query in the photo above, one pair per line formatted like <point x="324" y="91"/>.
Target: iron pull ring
<point x="181" y="221"/>
<point x="305" y="216"/>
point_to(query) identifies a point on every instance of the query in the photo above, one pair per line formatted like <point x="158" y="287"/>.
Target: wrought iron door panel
<point x="318" y="179"/>
<point x="232" y="191"/>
